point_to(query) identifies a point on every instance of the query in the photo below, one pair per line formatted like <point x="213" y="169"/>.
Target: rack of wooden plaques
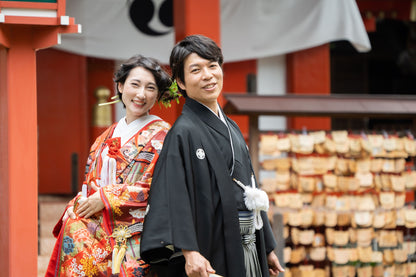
<point x="346" y="200"/>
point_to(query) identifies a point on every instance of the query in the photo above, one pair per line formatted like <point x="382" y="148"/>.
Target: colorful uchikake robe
<point x="84" y="246"/>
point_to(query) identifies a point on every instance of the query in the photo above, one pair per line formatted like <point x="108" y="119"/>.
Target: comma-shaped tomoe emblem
<point x="200" y="153"/>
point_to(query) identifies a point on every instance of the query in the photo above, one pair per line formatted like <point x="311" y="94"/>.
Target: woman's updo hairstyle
<point x="162" y="78"/>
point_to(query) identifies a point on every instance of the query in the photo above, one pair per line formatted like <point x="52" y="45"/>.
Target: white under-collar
<point x="219" y="115"/>
<point x="126" y="131"/>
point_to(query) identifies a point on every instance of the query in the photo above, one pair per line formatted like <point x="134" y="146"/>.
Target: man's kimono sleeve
<point x="269" y="240"/>
<point x="169" y="224"/>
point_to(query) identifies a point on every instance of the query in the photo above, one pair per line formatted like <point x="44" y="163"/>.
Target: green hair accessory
<point x="171" y="94"/>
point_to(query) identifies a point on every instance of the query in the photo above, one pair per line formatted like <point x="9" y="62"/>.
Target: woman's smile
<point x="139" y="93"/>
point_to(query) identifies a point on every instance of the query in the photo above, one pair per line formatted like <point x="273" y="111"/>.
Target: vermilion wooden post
<point x="20" y="37"/>
<point x="308" y="71"/>
<point x="196" y="17"/>
<point x="19" y="159"/>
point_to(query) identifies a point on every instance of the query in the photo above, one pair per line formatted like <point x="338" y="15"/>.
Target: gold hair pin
<point x="112" y="102"/>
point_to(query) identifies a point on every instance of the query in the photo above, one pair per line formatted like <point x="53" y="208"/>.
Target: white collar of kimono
<point x="219" y="115"/>
<point x="126" y="131"/>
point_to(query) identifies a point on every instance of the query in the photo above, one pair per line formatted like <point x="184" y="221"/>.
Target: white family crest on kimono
<point x="200" y="153"/>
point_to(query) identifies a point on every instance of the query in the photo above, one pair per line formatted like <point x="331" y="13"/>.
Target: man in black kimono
<point x="197" y="206"/>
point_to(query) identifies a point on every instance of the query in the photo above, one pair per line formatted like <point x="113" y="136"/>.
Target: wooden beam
<point x="396" y="9"/>
<point x="337" y="105"/>
<point x="30" y="5"/>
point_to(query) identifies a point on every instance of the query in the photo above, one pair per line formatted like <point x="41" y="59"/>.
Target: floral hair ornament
<point x="171" y="94"/>
<point x="111" y="102"/>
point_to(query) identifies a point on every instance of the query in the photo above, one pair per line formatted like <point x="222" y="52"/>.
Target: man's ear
<point x="180" y="84"/>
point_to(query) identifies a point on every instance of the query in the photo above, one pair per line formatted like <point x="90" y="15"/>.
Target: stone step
<point x="46" y="246"/>
<point x="46" y="227"/>
<point x="43" y="262"/>
<point x="51" y="209"/>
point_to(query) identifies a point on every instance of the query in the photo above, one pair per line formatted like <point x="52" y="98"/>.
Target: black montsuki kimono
<point x="193" y="201"/>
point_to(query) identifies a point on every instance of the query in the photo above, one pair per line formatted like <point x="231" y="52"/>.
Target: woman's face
<point x="203" y="79"/>
<point x="139" y="93"/>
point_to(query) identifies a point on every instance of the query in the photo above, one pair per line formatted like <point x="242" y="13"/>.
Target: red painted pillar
<point x="308" y="72"/>
<point x="18" y="151"/>
<point x="19" y="40"/>
<point x="4" y="167"/>
<point x="196" y="17"/>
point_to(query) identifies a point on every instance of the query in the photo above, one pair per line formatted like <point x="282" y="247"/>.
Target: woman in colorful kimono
<point x="99" y="233"/>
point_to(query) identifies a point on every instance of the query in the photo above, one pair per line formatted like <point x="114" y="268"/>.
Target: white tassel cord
<point x="112" y="166"/>
<point x="256" y="200"/>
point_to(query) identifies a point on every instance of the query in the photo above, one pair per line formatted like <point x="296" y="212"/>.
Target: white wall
<point x="271" y="80"/>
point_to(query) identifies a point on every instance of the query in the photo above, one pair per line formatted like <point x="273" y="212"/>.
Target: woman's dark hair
<point x="201" y="45"/>
<point x="162" y="78"/>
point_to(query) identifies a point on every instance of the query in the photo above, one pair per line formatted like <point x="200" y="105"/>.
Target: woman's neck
<point x="130" y="119"/>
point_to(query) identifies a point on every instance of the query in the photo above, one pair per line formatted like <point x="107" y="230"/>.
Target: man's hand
<point x="90" y="206"/>
<point x="196" y="264"/>
<point x="274" y="265"/>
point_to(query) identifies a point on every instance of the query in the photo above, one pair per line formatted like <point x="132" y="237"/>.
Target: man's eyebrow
<point x="193" y="65"/>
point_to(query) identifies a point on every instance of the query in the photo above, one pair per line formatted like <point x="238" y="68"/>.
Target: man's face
<point x="203" y="79"/>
